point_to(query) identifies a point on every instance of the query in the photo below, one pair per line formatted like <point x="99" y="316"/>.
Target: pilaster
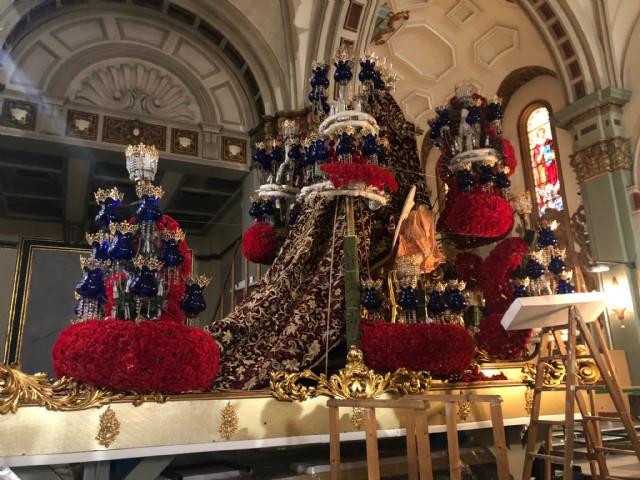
<point x="602" y="162"/>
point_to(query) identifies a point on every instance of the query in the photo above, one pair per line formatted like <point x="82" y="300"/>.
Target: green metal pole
<point x="351" y="278"/>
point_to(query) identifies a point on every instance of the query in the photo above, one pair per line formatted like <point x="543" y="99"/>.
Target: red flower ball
<point x="122" y="355"/>
<point x="480" y="215"/>
<point x="260" y="243"/>
<point x="441" y="349"/>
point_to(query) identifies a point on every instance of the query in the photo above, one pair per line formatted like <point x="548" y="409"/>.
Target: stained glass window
<point x="542" y="154"/>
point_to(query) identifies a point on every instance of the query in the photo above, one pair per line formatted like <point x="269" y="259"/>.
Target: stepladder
<point x="569" y="343"/>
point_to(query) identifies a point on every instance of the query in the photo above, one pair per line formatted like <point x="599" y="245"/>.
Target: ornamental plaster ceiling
<point x="131" y="62"/>
<point x="445" y="42"/>
<point x="218" y="66"/>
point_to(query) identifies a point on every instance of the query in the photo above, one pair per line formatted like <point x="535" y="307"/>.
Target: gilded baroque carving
<point x="356" y="380"/>
<point x="605" y="156"/>
<point x="137" y="88"/>
<point x="18" y="388"/>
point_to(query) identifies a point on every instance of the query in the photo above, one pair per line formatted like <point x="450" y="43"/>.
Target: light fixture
<point x="599" y="266"/>
<point x="617" y="300"/>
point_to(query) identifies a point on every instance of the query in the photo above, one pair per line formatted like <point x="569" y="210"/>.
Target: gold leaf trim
<point x="18" y="389"/>
<point x="229" y="426"/>
<point x="109" y="428"/>
<point x="356" y="380"/>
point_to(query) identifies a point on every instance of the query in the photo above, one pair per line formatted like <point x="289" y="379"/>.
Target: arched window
<point x="542" y="170"/>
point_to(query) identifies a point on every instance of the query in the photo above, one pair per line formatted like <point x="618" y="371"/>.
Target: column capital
<point x="594" y="118"/>
<point x="603" y="157"/>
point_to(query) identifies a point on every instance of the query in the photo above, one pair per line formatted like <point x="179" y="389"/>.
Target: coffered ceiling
<point x="60" y="189"/>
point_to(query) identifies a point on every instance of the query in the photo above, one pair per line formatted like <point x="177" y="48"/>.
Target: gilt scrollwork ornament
<point x="109" y="428"/>
<point x="229" y="426"/>
<point x="528" y="399"/>
<point x="18" y="388"/>
<point x="356" y="380"/>
<point x="464" y="409"/>
<point x="555" y="373"/>
<point x="154" y="396"/>
<point x="357" y="418"/>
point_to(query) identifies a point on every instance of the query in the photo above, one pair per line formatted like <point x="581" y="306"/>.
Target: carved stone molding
<point x="605" y="156"/>
<point x="19" y="114"/>
<point x="123" y="131"/>
<point x="137" y="88"/>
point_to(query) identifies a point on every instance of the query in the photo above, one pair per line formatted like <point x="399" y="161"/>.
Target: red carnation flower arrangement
<point x="441" y="349"/>
<point x="500" y="343"/>
<point x="480" y="215"/>
<point x="135" y="278"/>
<point x="342" y="175"/>
<point x="120" y="355"/>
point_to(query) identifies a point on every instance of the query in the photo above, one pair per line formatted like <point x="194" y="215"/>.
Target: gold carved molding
<point x="555" y="374"/>
<point x="605" y="156"/>
<point x="356" y="380"/>
<point x="18" y="389"/>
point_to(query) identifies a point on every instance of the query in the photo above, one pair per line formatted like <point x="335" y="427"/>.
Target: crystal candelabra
<point x="135" y="269"/>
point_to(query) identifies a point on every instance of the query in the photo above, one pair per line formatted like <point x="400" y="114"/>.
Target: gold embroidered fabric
<point x="282" y="324"/>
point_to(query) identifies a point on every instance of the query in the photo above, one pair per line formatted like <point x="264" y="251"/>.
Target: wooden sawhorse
<point x="418" y="445"/>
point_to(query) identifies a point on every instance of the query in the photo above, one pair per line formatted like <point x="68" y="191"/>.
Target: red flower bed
<point x="441" y="349"/>
<point x="121" y="355"/>
<point x="479" y="215"/>
<point x="501" y="343"/>
<point x="260" y="243"/>
<point x="344" y="174"/>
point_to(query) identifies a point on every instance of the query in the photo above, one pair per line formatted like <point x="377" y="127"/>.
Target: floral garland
<point x="441" y="349"/>
<point x="344" y="174"/>
<point x="501" y="343"/>
<point x="260" y="243"/>
<point x="503" y="260"/>
<point x="120" y="355"/>
<point x="468" y="267"/>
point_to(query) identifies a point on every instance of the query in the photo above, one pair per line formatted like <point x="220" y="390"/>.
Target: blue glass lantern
<point x="109" y="200"/>
<point x="148" y="210"/>
<point x="144" y="283"/>
<point x="92" y="287"/>
<point x="193" y="302"/>
<point x="170" y="255"/>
